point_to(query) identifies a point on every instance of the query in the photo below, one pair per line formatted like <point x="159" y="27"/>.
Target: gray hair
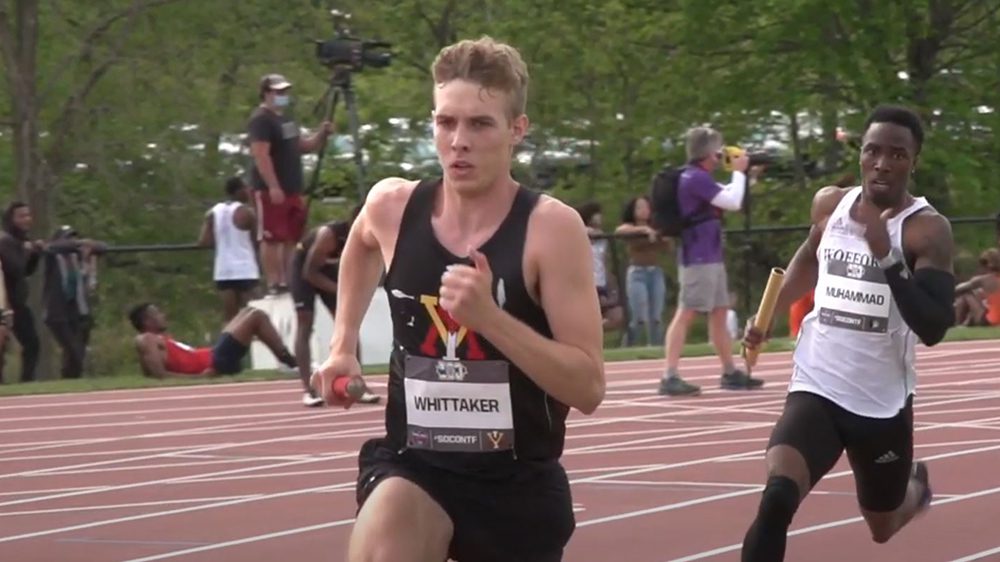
<point x="702" y="142"/>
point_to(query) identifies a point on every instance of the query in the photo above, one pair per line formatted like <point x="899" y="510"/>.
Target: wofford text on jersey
<point x="834" y="254"/>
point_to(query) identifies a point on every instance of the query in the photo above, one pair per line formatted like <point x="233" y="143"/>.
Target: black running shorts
<point x="880" y="450"/>
<point x="526" y="516"/>
<point x="237" y="285"/>
<point x="304" y="294"/>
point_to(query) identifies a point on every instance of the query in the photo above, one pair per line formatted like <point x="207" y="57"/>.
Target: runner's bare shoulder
<point x="825" y="201"/>
<point x="386" y="201"/>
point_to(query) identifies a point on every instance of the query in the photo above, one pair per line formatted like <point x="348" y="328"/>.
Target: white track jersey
<point x="234" y="251"/>
<point x="854" y="347"/>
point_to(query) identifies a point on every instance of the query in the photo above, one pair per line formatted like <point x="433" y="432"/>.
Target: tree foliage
<point x="121" y="116"/>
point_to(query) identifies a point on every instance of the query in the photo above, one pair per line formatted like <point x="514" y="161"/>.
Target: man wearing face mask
<point x="277" y="145"/>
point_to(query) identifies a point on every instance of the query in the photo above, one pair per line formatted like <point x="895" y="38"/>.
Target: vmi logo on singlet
<point x="456" y="403"/>
<point x="445" y="331"/>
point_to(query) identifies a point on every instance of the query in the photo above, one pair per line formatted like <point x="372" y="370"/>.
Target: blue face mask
<point x="282" y="100"/>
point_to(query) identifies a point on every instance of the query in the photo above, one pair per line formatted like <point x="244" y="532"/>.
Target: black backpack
<point x="666" y="216"/>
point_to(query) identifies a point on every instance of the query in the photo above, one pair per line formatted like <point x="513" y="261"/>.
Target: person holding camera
<point x="276" y="176"/>
<point x="702" y="271"/>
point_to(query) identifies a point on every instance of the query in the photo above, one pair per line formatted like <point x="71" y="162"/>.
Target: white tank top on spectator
<point x="234" y="251"/>
<point x="854" y="347"/>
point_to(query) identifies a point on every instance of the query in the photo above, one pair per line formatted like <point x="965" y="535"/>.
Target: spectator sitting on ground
<point x="160" y="355"/>
<point x="977" y="301"/>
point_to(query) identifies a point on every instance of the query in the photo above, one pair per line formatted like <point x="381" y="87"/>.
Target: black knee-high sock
<point x="765" y="540"/>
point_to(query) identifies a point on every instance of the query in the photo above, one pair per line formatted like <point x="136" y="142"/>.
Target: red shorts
<point x="285" y="222"/>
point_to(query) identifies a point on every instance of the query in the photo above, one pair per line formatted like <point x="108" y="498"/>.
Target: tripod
<point x="340" y="85"/>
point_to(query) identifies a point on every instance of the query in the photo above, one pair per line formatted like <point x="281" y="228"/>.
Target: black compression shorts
<point x="527" y="516"/>
<point x="304" y="294"/>
<point x="880" y="450"/>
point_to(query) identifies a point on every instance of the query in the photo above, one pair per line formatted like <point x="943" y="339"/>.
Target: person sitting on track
<point x="160" y="355"/>
<point x="315" y="270"/>
<point x="880" y="260"/>
<point x="977" y="301"/>
<point x="497" y="334"/>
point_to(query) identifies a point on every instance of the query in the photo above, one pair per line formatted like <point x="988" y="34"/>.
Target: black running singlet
<point x="455" y="400"/>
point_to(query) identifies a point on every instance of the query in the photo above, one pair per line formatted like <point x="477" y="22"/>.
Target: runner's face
<point x="888" y="155"/>
<point x="473" y="134"/>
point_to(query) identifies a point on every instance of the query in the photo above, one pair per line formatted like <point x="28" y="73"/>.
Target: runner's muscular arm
<point x="569" y="367"/>
<point x="323" y="247"/>
<point x="803" y="269"/>
<point x="926" y="297"/>
<point x="362" y="261"/>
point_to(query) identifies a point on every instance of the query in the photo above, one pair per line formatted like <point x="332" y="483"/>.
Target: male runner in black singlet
<point x="497" y="331"/>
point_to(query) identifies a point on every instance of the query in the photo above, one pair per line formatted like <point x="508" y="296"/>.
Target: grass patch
<point x="135" y="380"/>
<point x="131" y="381"/>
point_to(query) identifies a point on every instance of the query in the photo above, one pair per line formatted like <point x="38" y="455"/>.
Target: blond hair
<point x="489" y="63"/>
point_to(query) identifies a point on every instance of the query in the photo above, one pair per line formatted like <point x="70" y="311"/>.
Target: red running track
<point x="243" y="472"/>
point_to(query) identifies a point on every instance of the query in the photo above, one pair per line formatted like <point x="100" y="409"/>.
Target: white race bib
<point x="455" y="405"/>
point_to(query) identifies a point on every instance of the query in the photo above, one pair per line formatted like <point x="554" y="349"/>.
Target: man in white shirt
<point x="230" y="227"/>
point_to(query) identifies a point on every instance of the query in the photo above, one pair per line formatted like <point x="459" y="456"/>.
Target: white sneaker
<point x="310" y="401"/>
<point x="369" y="398"/>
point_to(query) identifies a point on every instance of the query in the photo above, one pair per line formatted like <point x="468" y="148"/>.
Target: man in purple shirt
<point x="702" y="270"/>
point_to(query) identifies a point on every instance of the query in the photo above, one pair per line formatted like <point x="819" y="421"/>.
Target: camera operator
<point x="276" y="145"/>
<point x="702" y="271"/>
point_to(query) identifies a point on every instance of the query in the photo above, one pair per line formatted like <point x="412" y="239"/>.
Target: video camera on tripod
<point x="353" y="53"/>
<point x="344" y="55"/>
